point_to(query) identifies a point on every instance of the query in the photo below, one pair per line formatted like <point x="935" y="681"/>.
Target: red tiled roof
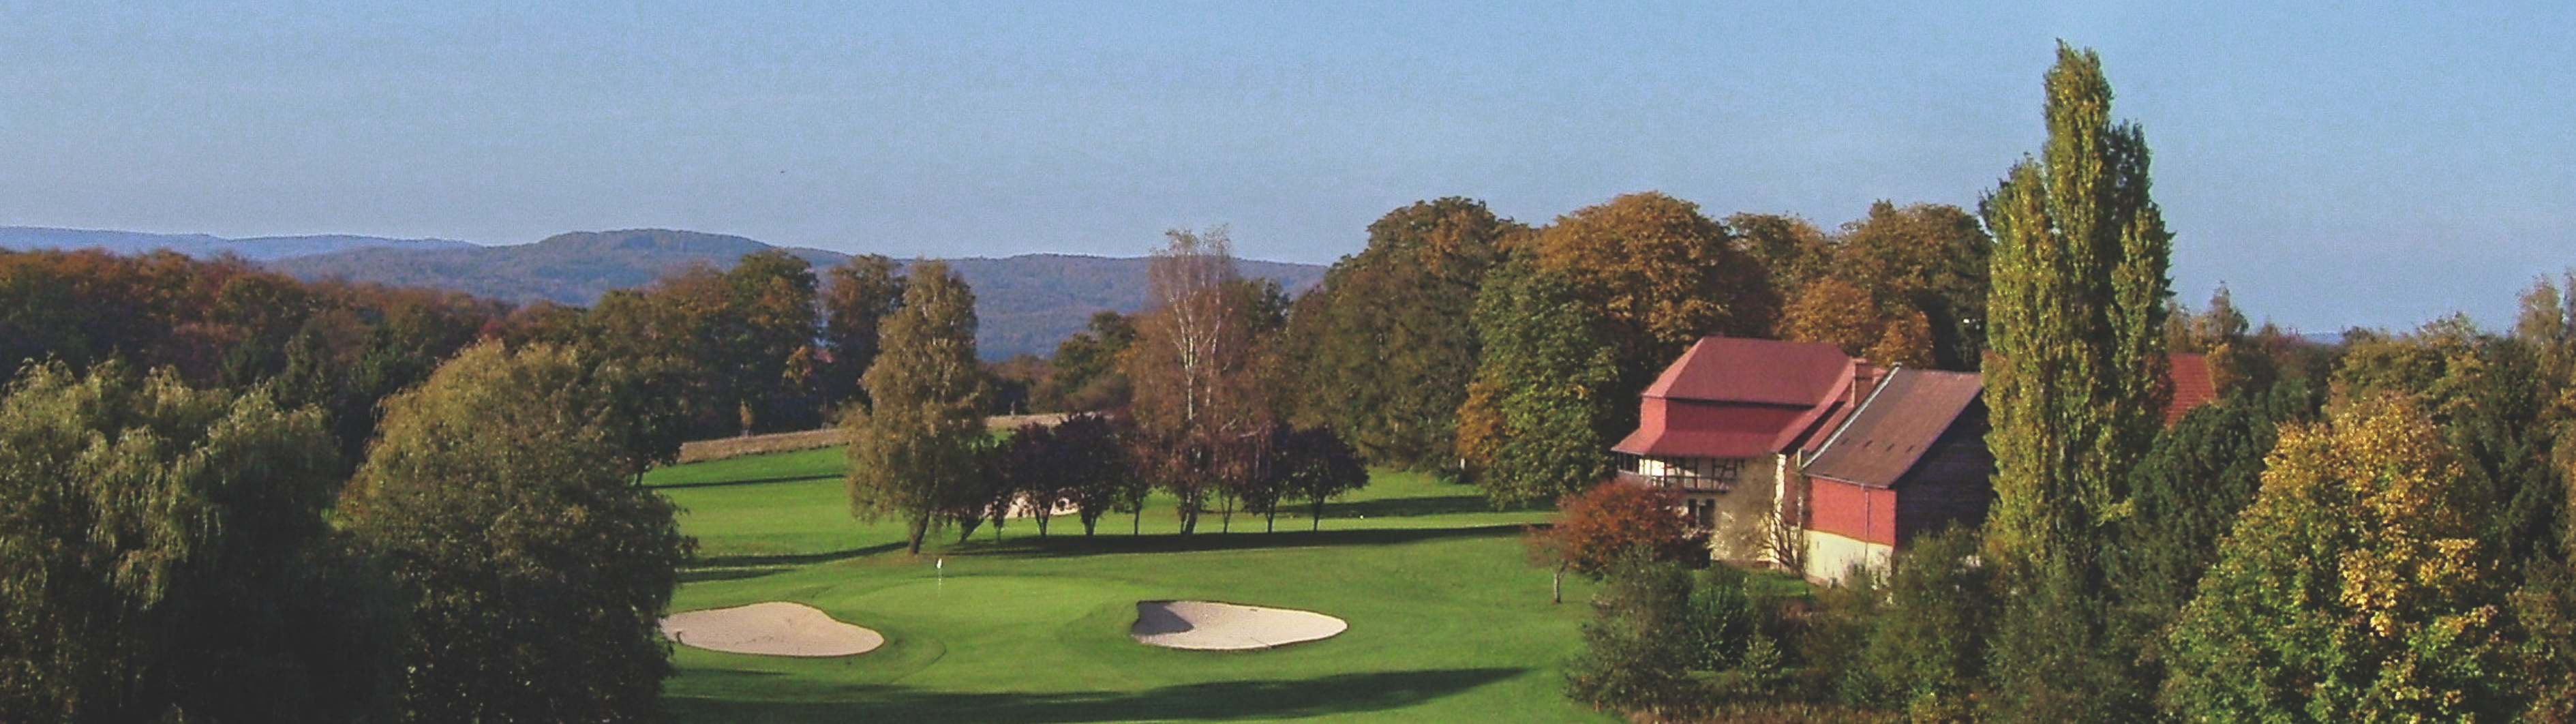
<point x="1665" y="441"/>
<point x="1891" y="431"/>
<point x="2192" y="386"/>
<point x="1759" y="371"/>
<point x="1730" y="397"/>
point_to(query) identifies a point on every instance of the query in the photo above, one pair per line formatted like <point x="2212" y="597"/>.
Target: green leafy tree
<point x="1670" y="645"/>
<point x="1093" y="467"/>
<point x="1084" y="374"/>
<point x="1791" y="250"/>
<point x="2078" y="388"/>
<point x="770" y="324"/>
<point x="2187" y="492"/>
<point x="1926" y="649"/>
<point x="1321" y="467"/>
<point x="2079" y="287"/>
<point x="535" y="574"/>
<point x="914" y="446"/>
<point x="1538" y="418"/>
<point x="1390" y="332"/>
<point x="2354" y="589"/>
<point x="856" y="298"/>
<point x="166" y="556"/>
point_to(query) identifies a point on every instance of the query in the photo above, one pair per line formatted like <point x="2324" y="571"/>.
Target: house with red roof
<point x="1797" y="455"/>
<point x="1727" y="425"/>
<point x="1912" y="460"/>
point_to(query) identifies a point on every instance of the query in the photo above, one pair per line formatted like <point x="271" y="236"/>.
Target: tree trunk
<point x="919" y="526"/>
<point x="1556" y="586"/>
<point x="1319" y="513"/>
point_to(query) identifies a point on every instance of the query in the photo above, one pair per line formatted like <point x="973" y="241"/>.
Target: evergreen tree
<point x="914" y="446"/>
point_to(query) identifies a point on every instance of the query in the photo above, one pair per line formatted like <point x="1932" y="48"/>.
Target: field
<point x="1447" y="624"/>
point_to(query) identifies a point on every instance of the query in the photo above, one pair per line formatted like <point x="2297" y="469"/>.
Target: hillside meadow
<point x="1447" y="621"/>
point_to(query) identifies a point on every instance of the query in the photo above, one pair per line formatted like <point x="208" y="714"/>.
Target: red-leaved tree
<point x="1596" y="528"/>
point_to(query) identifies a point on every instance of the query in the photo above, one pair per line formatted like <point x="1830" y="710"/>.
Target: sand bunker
<point x="1210" y="626"/>
<point x="772" y="629"/>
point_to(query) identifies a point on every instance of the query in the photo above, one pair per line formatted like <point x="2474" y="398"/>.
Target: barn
<point x="1728" y="423"/>
<point x="1912" y="460"/>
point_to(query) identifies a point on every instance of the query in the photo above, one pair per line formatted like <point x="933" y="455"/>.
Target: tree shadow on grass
<point x="1216" y="701"/>
<point x="1413" y="507"/>
<point x="744" y="481"/>
<point x="1209" y="540"/>
<point x="793" y="559"/>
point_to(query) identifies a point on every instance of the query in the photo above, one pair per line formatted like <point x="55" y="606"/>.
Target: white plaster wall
<point x="1830" y="557"/>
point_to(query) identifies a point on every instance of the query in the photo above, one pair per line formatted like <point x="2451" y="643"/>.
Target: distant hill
<point x="574" y="268"/>
<point x="1025" y="303"/>
<point x="202" y="246"/>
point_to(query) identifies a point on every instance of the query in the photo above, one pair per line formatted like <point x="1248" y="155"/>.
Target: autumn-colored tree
<point x="1389" y="334"/>
<point x="1927" y="266"/>
<point x="2354" y="589"/>
<point x="1199" y="402"/>
<point x="487" y="496"/>
<point x="1615" y="520"/>
<point x="1659" y="275"/>
<point x="916" y="444"/>
<point x="1835" y="312"/>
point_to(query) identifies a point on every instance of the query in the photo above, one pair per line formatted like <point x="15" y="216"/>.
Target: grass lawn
<point x="1446" y="622"/>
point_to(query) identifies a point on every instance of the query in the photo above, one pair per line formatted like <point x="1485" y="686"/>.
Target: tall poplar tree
<point x="2077" y="382"/>
<point x="916" y="440"/>
<point x="2077" y="385"/>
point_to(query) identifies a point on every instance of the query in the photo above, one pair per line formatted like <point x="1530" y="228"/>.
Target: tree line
<point x="1196" y="415"/>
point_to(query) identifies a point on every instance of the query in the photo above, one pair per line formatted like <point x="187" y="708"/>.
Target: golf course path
<point x="770" y="629"/>
<point x="1212" y="626"/>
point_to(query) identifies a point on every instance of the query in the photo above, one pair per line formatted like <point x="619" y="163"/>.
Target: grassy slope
<point x="1447" y="623"/>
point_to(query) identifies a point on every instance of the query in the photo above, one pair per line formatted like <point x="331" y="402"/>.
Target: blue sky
<point x="2373" y="164"/>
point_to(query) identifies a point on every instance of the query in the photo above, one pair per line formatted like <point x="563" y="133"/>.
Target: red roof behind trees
<point x="2192" y="385"/>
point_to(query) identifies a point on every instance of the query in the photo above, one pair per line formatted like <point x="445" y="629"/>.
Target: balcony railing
<point x="1688" y="483"/>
